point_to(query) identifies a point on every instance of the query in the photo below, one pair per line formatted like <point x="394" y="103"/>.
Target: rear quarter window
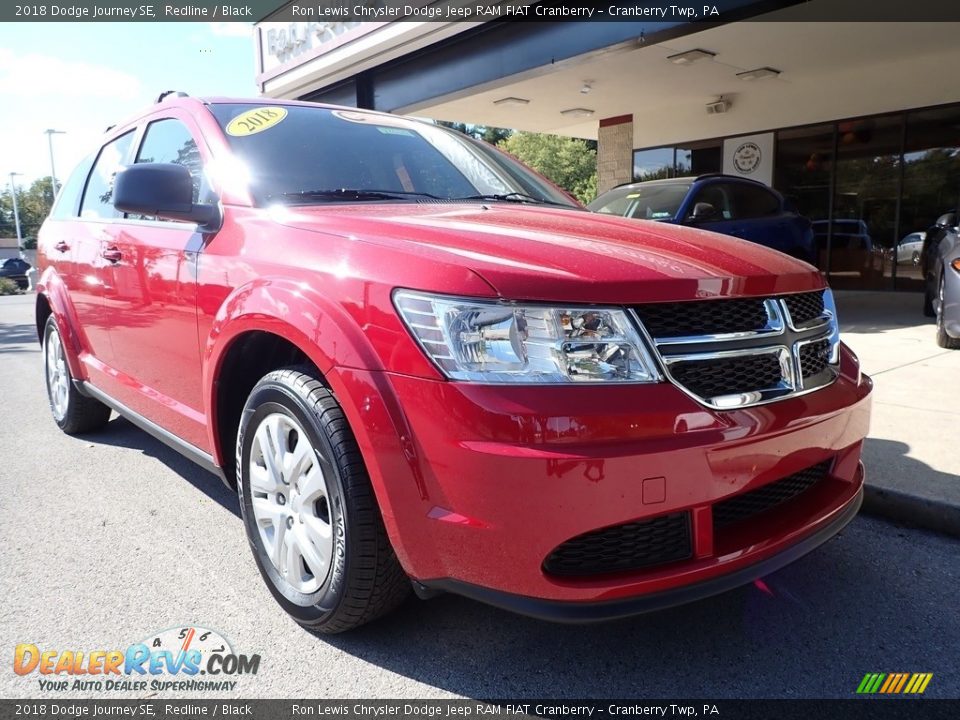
<point x="67" y="204"/>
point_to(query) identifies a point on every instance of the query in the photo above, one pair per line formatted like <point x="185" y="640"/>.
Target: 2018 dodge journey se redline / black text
<point x="422" y="366"/>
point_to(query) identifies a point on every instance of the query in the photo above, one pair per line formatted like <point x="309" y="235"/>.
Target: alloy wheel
<point x="58" y="376"/>
<point x="290" y="502"/>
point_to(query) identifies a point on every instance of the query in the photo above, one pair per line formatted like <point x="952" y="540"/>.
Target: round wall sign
<point x="746" y="158"/>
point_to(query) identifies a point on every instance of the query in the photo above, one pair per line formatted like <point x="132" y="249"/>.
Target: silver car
<point x="946" y="298"/>
<point x="909" y="249"/>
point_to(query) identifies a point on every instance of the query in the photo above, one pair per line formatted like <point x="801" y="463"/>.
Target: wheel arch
<point x="265" y="325"/>
<point x="53" y="299"/>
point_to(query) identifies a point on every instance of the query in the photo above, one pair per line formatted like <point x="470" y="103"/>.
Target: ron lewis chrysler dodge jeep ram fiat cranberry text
<point x="422" y="365"/>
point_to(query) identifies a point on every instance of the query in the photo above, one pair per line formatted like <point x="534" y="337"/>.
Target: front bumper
<point x="585" y="612"/>
<point x="478" y="484"/>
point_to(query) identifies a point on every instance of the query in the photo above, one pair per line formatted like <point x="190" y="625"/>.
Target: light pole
<point x="16" y="211"/>
<point x="53" y="171"/>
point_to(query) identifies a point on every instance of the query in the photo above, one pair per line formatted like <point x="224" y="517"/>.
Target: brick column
<point x="614" y="152"/>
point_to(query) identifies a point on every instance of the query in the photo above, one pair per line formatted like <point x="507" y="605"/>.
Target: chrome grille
<point x="814" y="357"/>
<point x="805" y="309"/>
<point x="735" y="353"/>
<point x="703" y="317"/>
<point x="722" y="376"/>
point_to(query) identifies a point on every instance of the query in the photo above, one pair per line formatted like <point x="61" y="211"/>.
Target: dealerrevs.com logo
<point x="179" y="659"/>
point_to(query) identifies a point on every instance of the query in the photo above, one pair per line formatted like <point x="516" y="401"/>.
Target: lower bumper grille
<point x="620" y="548"/>
<point x="748" y="504"/>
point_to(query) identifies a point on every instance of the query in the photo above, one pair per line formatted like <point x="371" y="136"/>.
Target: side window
<point x="169" y="141"/>
<point x="750" y="201"/>
<point x="68" y="199"/>
<point x="718" y="195"/>
<point x="98" y="195"/>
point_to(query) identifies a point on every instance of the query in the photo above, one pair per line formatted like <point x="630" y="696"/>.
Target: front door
<point x="151" y="300"/>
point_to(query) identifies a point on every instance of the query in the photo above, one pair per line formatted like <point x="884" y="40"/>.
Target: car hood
<point x="528" y="252"/>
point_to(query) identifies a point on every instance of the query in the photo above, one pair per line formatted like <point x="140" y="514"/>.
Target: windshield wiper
<point x="348" y="194"/>
<point x="517" y="197"/>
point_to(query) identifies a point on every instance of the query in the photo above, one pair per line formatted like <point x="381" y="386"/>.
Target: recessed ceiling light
<point x="758" y="73"/>
<point x="511" y="101"/>
<point x="691" y="56"/>
<point x="577" y="112"/>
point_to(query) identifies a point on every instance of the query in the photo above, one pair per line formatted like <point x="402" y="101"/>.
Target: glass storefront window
<point x="871" y="188"/>
<point x="804" y="164"/>
<point x="931" y="184"/>
<point x="699" y="158"/>
<point x="654" y="164"/>
<point x="669" y="162"/>
<point x="867" y="189"/>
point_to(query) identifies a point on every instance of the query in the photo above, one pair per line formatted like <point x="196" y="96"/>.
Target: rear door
<point x="151" y="298"/>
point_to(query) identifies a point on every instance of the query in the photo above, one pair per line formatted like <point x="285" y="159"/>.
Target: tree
<point x="487" y="133"/>
<point x="570" y="163"/>
<point x="33" y="205"/>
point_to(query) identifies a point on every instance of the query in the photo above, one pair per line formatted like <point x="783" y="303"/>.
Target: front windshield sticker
<point x="254" y="121"/>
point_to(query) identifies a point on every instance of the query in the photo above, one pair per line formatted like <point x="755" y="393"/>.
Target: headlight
<point x="494" y="342"/>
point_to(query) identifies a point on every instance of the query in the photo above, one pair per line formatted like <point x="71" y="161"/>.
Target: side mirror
<point x="164" y="190"/>
<point x="947" y="220"/>
<point x="702" y="212"/>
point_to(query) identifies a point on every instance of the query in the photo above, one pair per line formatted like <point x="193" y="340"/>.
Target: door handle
<point x="111" y="254"/>
<point x="61" y="246"/>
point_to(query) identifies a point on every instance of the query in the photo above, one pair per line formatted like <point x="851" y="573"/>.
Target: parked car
<point x="929" y="257"/>
<point x="945" y="268"/>
<point x="720" y="203"/>
<point x="16" y="269"/>
<point x="910" y="248"/>
<point x="423" y="366"/>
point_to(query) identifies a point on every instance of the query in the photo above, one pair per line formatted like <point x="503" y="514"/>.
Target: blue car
<point x="721" y="203"/>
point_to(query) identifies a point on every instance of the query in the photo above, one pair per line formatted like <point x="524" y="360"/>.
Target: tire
<point x="74" y="413"/>
<point x="943" y="339"/>
<point x="311" y="517"/>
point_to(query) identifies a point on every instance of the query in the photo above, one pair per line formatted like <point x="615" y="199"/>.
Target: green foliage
<point x="8" y="287"/>
<point x="570" y="163"/>
<point x="33" y="204"/>
<point x="492" y="135"/>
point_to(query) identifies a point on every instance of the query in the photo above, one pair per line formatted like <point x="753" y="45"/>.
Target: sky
<point x="82" y="77"/>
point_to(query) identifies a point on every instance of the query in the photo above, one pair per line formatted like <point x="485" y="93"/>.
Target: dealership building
<point x="857" y="123"/>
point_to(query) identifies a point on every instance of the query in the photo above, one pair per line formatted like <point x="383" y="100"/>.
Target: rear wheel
<point x="943" y="339"/>
<point x="74" y="413"/>
<point x="310" y="513"/>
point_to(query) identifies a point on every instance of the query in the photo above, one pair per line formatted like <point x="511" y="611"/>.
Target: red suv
<point x="422" y="365"/>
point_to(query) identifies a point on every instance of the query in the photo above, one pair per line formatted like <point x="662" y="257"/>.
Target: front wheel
<point x="308" y="507"/>
<point x="74" y="413"/>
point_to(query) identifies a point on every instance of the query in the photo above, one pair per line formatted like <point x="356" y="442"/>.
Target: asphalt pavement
<point x="108" y="538"/>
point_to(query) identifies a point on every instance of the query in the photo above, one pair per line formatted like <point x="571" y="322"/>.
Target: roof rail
<point x="167" y="93"/>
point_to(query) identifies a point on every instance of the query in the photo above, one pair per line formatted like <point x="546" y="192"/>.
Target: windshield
<point x="659" y="201"/>
<point x="307" y="155"/>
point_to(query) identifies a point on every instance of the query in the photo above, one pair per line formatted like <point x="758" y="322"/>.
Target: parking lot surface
<point x="108" y="538"/>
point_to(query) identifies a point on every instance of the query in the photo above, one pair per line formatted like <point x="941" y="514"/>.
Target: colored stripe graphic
<point x="894" y="683"/>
